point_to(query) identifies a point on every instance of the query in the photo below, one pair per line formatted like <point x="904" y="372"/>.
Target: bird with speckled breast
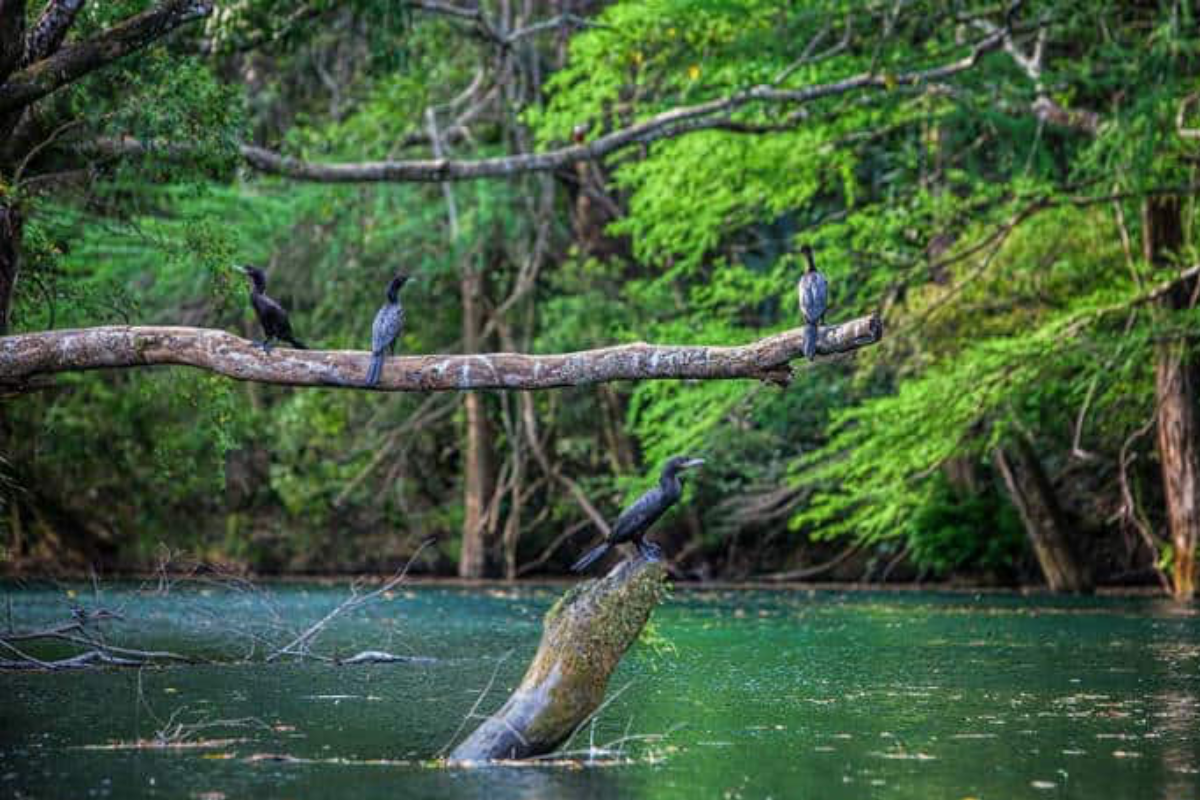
<point x="813" y="290"/>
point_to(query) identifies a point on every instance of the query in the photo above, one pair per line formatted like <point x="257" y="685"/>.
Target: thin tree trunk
<point x="477" y="455"/>
<point x="962" y="475"/>
<point x="1175" y="386"/>
<point x="1045" y="524"/>
<point x="10" y="251"/>
<point x="512" y="523"/>
<point x="1176" y="377"/>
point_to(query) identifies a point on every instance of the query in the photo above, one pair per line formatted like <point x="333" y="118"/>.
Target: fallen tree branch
<point x="299" y="646"/>
<point x="91" y="658"/>
<point x="815" y="569"/>
<point x="26" y="356"/>
<point x="78" y="631"/>
<point x="583" y="638"/>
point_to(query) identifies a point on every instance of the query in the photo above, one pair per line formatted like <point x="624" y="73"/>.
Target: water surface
<point x="743" y="694"/>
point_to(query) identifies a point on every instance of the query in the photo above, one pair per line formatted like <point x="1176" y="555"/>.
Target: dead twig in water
<point x="300" y="645"/>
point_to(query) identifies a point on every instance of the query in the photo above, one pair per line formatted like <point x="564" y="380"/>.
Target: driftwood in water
<point x="583" y="638"/>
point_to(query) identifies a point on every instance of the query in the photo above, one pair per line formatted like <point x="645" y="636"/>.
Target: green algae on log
<point x="583" y="638"/>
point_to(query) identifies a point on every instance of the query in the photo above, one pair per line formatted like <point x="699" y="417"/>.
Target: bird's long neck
<point x="258" y="285"/>
<point x="393" y="292"/>
<point x="669" y="483"/>
<point x="812" y="264"/>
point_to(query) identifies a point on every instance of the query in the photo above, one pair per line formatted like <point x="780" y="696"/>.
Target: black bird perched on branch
<point x="271" y="316"/>
<point x="389" y="322"/>
<point x="636" y="520"/>
<point x="814" y="295"/>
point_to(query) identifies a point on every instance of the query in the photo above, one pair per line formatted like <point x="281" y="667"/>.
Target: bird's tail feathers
<point x="376" y="369"/>
<point x="296" y="343"/>
<point x="810" y="341"/>
<point x="591" y="557"/>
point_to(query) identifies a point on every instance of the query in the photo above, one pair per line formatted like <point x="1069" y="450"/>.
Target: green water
<point x="762" y="694"/>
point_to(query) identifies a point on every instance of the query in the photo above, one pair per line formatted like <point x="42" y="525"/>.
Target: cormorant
<point x="389" y="322"/>
<point x="636" y="520"/>
<point x="814" y="294"/>
<point x="271" y="316"/>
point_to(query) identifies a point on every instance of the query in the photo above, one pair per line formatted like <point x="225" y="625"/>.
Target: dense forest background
<point x="1012" y="190"/>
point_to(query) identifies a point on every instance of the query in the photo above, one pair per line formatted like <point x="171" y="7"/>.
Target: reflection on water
<point x="797" y="695"/>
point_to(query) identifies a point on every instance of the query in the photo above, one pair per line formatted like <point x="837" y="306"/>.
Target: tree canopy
<point x="564" y="176"/>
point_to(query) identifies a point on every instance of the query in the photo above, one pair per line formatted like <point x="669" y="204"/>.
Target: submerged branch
<point x="26" y="356"/>
<point x="584" y="637"/>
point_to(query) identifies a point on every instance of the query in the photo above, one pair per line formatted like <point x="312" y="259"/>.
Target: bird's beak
<point x="692" y="463"/>
<point x="242" y="270"/>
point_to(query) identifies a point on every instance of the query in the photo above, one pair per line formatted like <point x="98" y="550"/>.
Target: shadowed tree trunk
<point x="478" y="453"/>
<point x="1176" y="378"/>
<point x="10" y="246"/>
<point x="583" y="638"/>
<point x="1044" y="521"/>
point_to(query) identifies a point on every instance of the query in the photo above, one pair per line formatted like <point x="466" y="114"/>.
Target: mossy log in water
<point x="583" y="638"/>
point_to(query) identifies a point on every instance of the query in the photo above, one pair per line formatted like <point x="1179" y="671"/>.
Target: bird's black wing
<point x="644" y="512"/>
<point x="271" y="316"/>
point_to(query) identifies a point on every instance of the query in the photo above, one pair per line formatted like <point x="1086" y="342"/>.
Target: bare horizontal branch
<point x="26" y="356"/>
<point x="74" y="61"/>
<point x="677" y="121"/>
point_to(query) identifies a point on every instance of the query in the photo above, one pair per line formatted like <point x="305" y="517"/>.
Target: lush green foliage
<point x="979" y="232"/>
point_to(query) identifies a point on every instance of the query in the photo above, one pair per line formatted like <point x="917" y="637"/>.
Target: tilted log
<point x="27" y="356"/>
<point x="583" y="638"/>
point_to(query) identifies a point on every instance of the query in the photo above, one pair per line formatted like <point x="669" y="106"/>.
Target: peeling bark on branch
<point x="29" y="355"/>
<point x="51" y="28"/>
<point x="74" y="61"/>
<point x="1177" y="388"/>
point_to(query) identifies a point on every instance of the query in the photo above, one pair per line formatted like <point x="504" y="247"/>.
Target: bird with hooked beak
<point x="636" y="520"/>
<point x="388" y="325"/>
<point x="271" y="316"/>
<point x="813" y="290"/>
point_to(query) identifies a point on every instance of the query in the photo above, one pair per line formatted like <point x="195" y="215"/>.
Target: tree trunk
<point x="10" y="251"/>
<point x="1176" y="377"/>
<point x="962" y="475"/>
<point x="583" y="638"/>
<point x="1045" y="524"/>
<point x="477" y="455"/>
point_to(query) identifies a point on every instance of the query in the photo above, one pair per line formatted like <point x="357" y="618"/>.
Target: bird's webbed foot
<point x="649" y="550"/>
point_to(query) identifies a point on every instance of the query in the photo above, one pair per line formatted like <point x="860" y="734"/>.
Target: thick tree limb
<point x="77" y="60"/>
<point x="29" y="355"/>
<point x="50" y="29"/>
<point x="710" y="114"/>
